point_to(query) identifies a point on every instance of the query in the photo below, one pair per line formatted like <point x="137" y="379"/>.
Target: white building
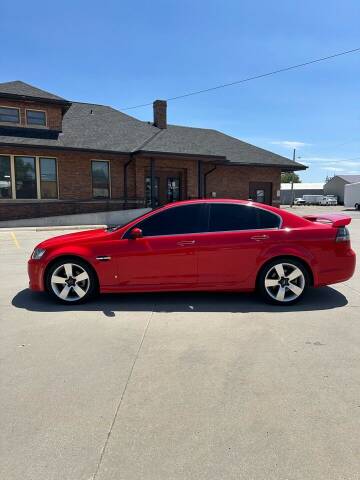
<point x="336" y="185"/>
<point x="300" y="189"/>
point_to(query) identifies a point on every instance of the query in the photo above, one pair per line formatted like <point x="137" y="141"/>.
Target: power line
<point x="255" y="77"/>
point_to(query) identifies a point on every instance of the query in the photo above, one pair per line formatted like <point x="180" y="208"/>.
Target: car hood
<point x="76" y="237"/>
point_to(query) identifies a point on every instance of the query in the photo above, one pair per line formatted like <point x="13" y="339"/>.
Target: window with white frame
<point x="100" y="171"/>
<point x="9" y="115"/>
<point x="28" y="177"/>
<point x="36" y="117"/>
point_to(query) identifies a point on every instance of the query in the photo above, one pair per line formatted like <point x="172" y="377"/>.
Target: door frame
<point x="266" y="186"/>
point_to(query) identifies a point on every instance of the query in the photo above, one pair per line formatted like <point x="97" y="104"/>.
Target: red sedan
<point x="221" y="245"/>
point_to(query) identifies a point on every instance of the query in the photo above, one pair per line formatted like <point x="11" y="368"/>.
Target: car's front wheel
<point x="283" y="281"/>
<point x="71" y="281"/>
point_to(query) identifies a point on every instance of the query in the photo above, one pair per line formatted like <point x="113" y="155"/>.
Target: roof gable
<point x="98" y="127"/>
<point x="349" y="178"/>
<point x="18" y="88"/>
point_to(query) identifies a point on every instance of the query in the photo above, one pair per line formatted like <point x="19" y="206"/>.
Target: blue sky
<point x="123" y="53"/>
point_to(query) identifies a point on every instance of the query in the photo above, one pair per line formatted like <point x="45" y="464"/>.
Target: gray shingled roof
<point x="98" y="127"/>
<point x="23" y="89"/>
<point x="202" y="141"/>
<point x="350" y="178"/>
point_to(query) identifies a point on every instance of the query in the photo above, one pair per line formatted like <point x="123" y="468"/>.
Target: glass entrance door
<point x="260" y="196"/>
<point x="148" y="191"/>
<point x="173" y="189"/>
<point x="260" y="192"/>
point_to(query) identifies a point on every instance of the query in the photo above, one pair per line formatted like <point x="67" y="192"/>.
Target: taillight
<point x="342" y="235"/>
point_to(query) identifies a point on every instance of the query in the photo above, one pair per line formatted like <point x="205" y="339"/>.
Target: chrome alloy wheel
<point x="70" y="282"/>
<point x="284" y="282"/>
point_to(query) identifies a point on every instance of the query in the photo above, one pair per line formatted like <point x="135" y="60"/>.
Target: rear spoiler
<point x="336" y="219"/>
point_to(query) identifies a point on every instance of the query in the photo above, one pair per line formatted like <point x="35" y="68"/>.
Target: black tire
<point x="273" y="293"/>
<point x="89" y="285"/>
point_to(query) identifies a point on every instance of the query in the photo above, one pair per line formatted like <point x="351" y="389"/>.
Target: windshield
<point x="112" y="228"/>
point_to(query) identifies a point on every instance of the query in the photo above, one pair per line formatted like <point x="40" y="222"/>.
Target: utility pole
<point x="292" y="182"/>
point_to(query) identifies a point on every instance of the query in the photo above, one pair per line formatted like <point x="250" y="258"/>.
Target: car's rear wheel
<point x="283" y="281"/>
<point x="71" y="281"/>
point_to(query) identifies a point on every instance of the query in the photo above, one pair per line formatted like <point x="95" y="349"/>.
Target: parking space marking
<point x="102" y="453"/>
<point x="17" y="244"/>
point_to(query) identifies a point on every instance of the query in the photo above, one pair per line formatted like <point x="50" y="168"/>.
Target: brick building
<point x="61" y="157"/>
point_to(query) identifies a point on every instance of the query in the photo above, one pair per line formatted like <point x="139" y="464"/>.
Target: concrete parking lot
<point x="177" y="386"/>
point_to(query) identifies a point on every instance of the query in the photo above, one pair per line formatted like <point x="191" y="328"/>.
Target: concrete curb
<point x="82" y="220"/>
<point x="48" y="229"/>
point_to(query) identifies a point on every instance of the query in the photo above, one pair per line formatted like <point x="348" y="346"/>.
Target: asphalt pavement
<point x="177" y="386"/>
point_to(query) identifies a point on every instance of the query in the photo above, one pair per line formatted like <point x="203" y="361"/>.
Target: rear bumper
<point x="339" y="269"/>
<point x="36" y="275"/>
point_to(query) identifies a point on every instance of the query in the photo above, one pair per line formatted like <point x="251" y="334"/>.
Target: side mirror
<point x="136" y="233"/>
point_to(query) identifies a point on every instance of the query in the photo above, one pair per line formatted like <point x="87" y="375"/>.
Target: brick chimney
<point x="160" y="113"/>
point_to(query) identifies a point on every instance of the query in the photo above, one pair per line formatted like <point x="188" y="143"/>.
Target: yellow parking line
<point x="15" y="239"/>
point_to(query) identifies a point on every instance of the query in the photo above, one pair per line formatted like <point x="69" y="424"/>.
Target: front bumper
<point x="36" y="275"/>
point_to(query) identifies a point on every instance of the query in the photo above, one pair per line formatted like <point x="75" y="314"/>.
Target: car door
<point x="165" y="256"/>
<point x="228" y="254"/>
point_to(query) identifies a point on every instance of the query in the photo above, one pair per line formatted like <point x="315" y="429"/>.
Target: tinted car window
<point x="177" y="220"/>
<point x="267" y="219"/>
<point x="225" y="217"/>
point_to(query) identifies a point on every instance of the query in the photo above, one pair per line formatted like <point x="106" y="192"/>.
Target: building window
<point x="48" y="178"/>
<point x="5" y="177"/>
<point x="148" y="191"/>
<point x="100" y="178"/>
<point x="35" y="117"/>
<point x="25" y="177"/>
<point x="9" y="115"/>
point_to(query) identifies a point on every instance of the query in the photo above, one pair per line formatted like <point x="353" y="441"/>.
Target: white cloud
<point x="319" y="159"/>
<point x="290" y="144"/>
<point x="350" y="164"/>
<point x="332" y="168"/>
<point x="331" y="161"/>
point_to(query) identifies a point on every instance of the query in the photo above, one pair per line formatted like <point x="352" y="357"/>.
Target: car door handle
<point x="258" y="238"/>
<point x="184" y="243"/>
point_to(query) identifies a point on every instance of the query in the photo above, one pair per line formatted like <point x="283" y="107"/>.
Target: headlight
<point x="38" y="253"/>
